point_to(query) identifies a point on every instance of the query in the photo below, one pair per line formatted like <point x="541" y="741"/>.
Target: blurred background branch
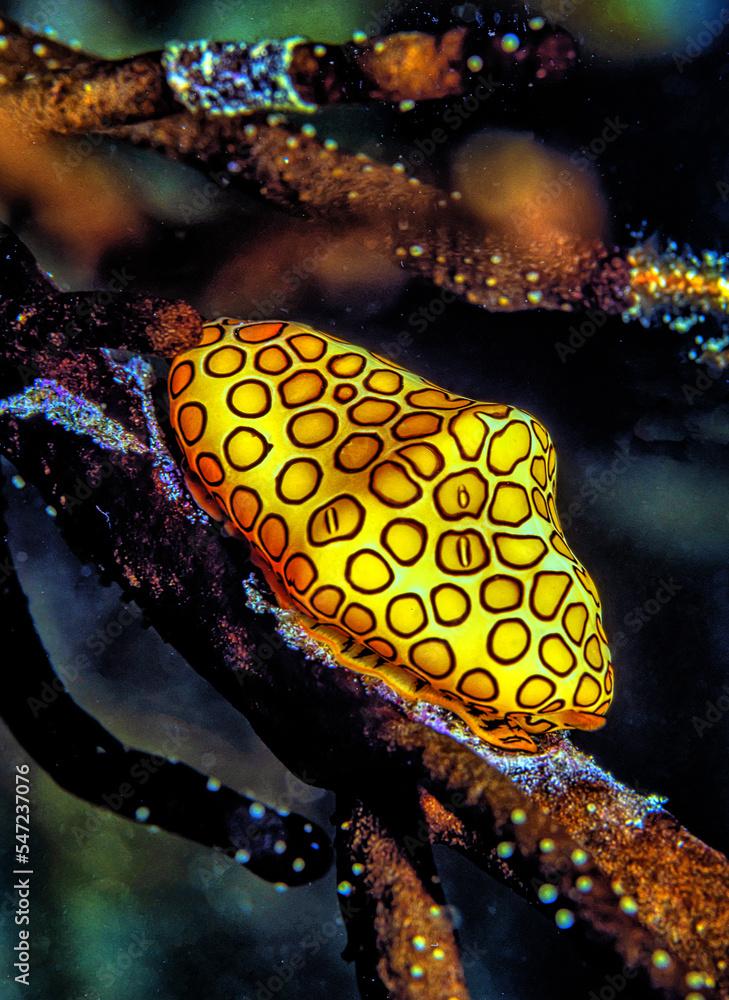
<point x="524" y="260"/>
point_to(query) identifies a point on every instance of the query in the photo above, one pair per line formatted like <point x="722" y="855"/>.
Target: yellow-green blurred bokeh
<point x="624" y="29"/>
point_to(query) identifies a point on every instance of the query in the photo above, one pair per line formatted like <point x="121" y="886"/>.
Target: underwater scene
<point x="364" y="436"/>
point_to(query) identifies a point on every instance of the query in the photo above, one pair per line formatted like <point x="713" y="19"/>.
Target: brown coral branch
<point x="415" y="66"/>
<point x="517" y="264"/>
<point x="671" y="919"/>
<point x="669" y="887"/>
<point x="78" y="99"/>
<point x="404" y="66"/>
<point x="411" y="222"/>
<point x="400" y="934"/>
<point x="415" y="223"/>
<point x="49" y="87"/>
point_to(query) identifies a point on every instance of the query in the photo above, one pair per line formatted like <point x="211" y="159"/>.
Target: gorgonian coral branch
<point x="425" y="229"/>
<point x="414" y="223"/>
<point x="294" y="74"/>
<point x="589" y="850"/>
<point x="232" y="77"/>
<point x="401" y="937"/>
<point x="417" y="224"/>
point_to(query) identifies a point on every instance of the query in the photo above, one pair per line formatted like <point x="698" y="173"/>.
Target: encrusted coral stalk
<point x="68" y="92"/>
<point x="401" y="936"/>
<point x="416" y="224"/>
<point x="294" y="74"/>
<point x="413" y="223"/>
<point x="236" y="78"/>
<point x="86" y="95"/>
<point x="49" y="87"/>
<point x="636" y="874"/>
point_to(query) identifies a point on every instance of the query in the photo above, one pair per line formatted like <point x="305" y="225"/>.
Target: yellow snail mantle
<point x="415" y="531"/>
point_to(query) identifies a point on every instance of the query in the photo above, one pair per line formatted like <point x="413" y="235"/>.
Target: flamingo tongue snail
<point x="415" y="531"/>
